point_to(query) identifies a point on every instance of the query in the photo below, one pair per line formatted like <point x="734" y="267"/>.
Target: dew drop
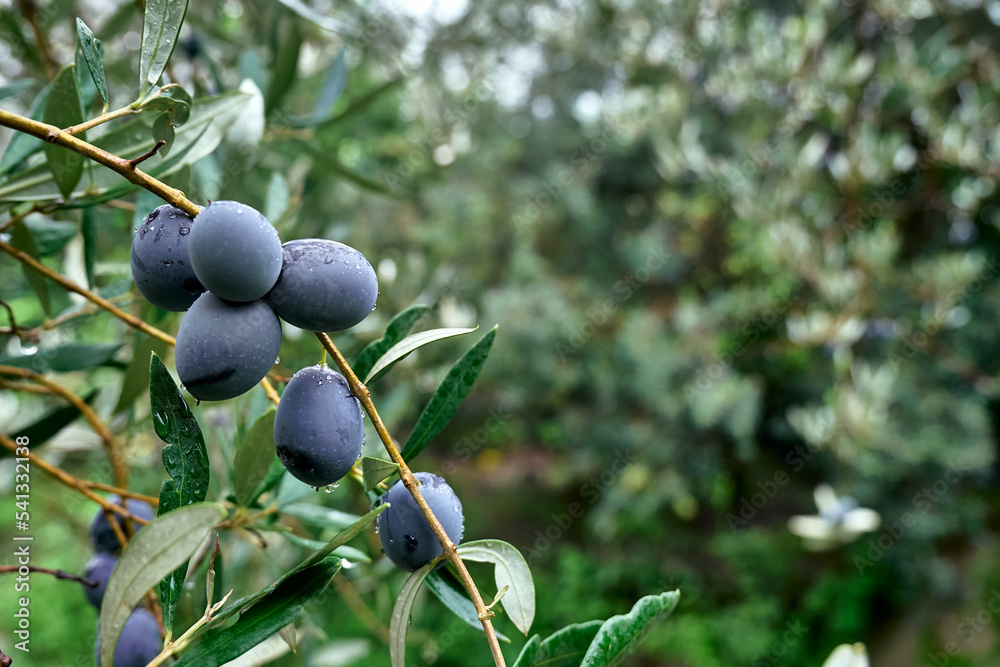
<point x="168" y="262"/>
<point x="173" y="216"/>
<point x="239" y="211"/>
<point x="184" y="231"/>
<point x="28" y="349"/>
<point x="277" y="360"/>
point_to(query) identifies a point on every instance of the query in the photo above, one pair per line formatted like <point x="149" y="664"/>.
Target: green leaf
<point x="93" y="55"/>
<point x="311" y="15"/>
<point x="65" y="358"/>
<point x="360" y="104"/>
<point x="186" y="461"/>
<point x="443" y="585"/>
<point x="338" y="541"/>
<point x="285" y="65"/>
<point x="449" y="395"/>
<point x="22" y="239"/>
<point x="277" y="197"/>
<point x="50" y="236"/>
<point x="275" y="610"/>
<point x="333" y="86"/>
<point x="619" y="636"/>
<point x="159" y="548"/>
<point x="409" y="344"/>
<point x="62" y="109"/>
<point x="22" y="146"/>
<point x="528" y="652"/>
<point x="273" y="477"/>
<point x="333" y="165"/>
<point x="253" y="458"/>
<point x="15" y="88"/>
<point x="375" y="470"/>
<point x="512" y="571"/>
<point x="51" y="423"/>
<point x="401" y="614"/>
<point x="161" y="24"/>
<point x="196" y="139"/>
<point x="318" y="515"/>
<point x="564" y="648"/>
<point x="176" y="106"/>
<point x="345" y="552"/>
<point x="398" y="327"/>
<point x="163" y="131"/>
<point x="88" y="228"/>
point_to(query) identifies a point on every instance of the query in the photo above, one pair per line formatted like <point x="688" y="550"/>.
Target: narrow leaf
<point x="361" y="103"/>
<point x="567" y="647"/>
<point x="22" y="146"/>
<point x="196" y="139"/>
<point x="88" y="228"/>
<point x="161" y="24"/>
<point x="253" y="458"/>
<point x="21" y="238"/>
<point x="186" y="461"/>
<point x="62" y="109"/>
<point x="285" y="65"/>
<point x="333" y="165"/>
<point x="401" y="614"/>
<point x="409" y="344"/>
<point x="309" y="14"/>
<point x="443" y="585"/>
<point x="338" y="541"/>
<point x="319" y="515"/>
<point x="526" y="658"/>
<point x="155" y="551"/>
<point x="93" y="55"/>
<point x="449" y="396"/>
<point x="15" y="88"/>
<point x="375" y="470"/>
<point x="65" y="358"/>
<point x="50" y="236"/>
<point x="345" y="552"/>
<point x="619" y="636"/>
<point x="273" y="611"/>
<point x="51" y="423"/>
<point x="333" y="86"/>
<point x="398" y="327"/>
<point x="273" y="477"/>
<point x="512" y="571"/>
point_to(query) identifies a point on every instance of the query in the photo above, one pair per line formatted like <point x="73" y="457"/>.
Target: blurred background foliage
<point x="722" y="240"/>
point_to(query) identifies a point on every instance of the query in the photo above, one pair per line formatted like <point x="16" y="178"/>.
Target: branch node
<point x="145" y="156"/>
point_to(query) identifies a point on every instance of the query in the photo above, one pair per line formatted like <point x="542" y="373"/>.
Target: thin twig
<point x="103" y="118"/>
<point x="58" y="574"/>
<point x="119" y="471"/>
<point x="72" y="481"/>
<point x="125" y="317"/>
<point x="10" y="314"/>
<point x="54" y="135"/>
<point x="361" y="392"/>
<point x="148" y="154"/>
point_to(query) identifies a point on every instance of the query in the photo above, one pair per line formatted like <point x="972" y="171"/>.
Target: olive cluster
<point x="229" y="270"/>
<point x="140" y="640"/>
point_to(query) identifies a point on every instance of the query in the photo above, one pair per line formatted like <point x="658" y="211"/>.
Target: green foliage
<point x="185" y="459"/>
